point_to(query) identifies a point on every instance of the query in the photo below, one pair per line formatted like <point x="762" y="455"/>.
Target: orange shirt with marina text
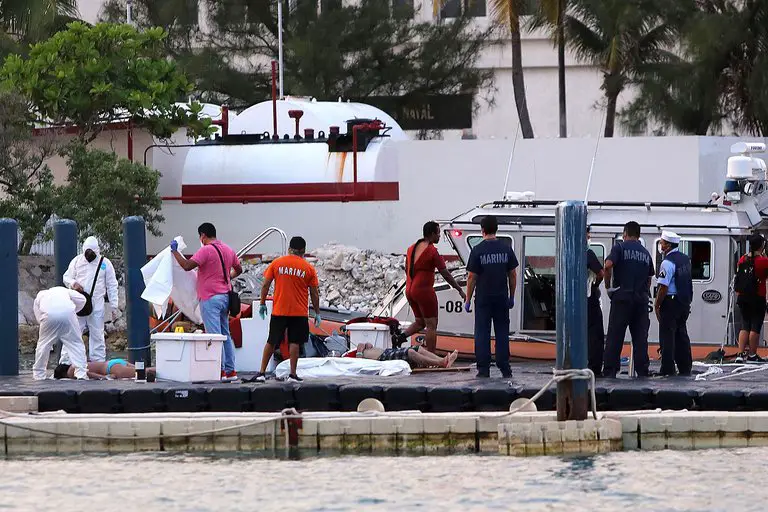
<point x="293" y="277"/>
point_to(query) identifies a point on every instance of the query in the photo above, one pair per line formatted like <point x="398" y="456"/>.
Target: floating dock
<point x="426" y="392"/>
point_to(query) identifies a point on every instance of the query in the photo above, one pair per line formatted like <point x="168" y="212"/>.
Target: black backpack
<point x="746" y="282"/>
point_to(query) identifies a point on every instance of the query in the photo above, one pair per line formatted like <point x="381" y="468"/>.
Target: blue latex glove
<point x="263" y="311"/>
<point x="318" y="319"/>
<point x="467" y="306"/>
<point x="174" y="245"/>
<point x="511" y="301"/>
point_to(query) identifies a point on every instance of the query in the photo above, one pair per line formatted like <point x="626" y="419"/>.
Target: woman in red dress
<point x="421" y="261"/>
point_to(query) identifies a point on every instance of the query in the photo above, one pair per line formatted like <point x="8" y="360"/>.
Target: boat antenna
<point x="509" y="164"/>
<point x="594" y="156"/>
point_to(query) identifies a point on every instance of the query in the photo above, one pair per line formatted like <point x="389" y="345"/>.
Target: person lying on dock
<point x="417" y="357"/>
<point x="115" y="368"/>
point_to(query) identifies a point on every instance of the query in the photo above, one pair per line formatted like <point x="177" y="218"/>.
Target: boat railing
<point x="609" y="204"/>
<point x="263" y="236"/>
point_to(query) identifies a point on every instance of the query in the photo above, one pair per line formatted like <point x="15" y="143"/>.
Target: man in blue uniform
<point x="628" y="272"/>
<point x="595" y="333"/>
<point x="673" y="305"/>
<point x="492" y="269"/>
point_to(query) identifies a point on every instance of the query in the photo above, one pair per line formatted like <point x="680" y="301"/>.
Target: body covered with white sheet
<point x="316" y="367"/>
<point x="56" y="311"/>
<point x="164" y="279"/>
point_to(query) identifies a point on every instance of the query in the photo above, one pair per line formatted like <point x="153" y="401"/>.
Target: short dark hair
<point x="297" y="243"/>
<point x="61" y="371"/>
<point x="756" y="242"/>
<point x="490" y="224"/>
<point x="207" y="229"/>
<point x="430" y="228"/>
<point x="632" y="229"/>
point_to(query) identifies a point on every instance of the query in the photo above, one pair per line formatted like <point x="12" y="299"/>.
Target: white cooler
<point x="188" y="357"/>
<point x="375" y="334"/>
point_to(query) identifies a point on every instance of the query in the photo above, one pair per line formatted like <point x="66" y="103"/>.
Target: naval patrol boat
<point x="713" y="235"/>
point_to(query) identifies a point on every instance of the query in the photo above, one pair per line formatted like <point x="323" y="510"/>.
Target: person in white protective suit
<point x="80" y="277"/>
<point x="56" y="311"/>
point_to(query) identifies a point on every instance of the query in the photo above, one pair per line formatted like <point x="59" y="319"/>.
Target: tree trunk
<point x="610" y="114"/>
<point x="561" y="67"/>
<point x="518" y="83"/>
<point x="26" y="245"/>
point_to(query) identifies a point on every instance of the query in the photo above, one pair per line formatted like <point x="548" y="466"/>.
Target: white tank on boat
<point x="323" y="161"/>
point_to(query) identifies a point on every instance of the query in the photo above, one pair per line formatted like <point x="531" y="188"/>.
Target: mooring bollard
<point x="9" y="297"/>
<point x="137" y="309"/>
<point x="64" y="246"/>
<point x="571" y="313"/>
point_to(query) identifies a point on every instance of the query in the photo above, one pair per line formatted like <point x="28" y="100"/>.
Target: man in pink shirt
<point x="217" y="264"/>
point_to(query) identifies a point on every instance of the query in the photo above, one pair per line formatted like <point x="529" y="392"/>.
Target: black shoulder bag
<point x="88" y="308"/>
<point x="234" y="298"/>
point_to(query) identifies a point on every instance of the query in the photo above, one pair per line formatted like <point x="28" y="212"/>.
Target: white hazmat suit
<point x="81" y="272"/>
<point x="55" y="310"/>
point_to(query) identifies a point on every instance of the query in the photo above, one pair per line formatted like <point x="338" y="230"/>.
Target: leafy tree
<point x="88" y="76"/>
<point x="102" y="189"/>
<point x="26" y="183"/>
<point x="344" y="50"/>
<point x="624" y="38"/>
<point x="718" y="82"/>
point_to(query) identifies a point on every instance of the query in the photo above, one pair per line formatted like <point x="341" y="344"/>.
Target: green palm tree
<point x="623" y="38"/>
<point x="507" y="13"/>
<point x="551" y="13"/>
<point x="32" y="18"/>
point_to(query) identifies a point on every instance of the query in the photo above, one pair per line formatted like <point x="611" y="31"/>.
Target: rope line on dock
<point x="559" y="376"/>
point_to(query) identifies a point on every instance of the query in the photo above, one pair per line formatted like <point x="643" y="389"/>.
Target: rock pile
<point x="350" y="278"/>
<point x="37" y="273"/>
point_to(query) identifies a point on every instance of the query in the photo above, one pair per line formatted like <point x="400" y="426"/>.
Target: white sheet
<point x="164" y="278"/>
<point x="315" y="367"/>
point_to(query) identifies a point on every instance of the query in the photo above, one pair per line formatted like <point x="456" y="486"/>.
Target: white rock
<point x="27" y="308"/>
<point x="390" y="276"/>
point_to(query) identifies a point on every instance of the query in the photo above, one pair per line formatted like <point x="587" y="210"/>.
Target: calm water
<point x="713" y="480"/>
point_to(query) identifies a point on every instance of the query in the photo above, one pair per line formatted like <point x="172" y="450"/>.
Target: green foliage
<point x="27" y="21"/>
<point x="102" y="189"/>
<point x="353" y="50"/>
<point x="88" y="76"/>
<point x="26" y="183"/>
<point x="720" y="78"/>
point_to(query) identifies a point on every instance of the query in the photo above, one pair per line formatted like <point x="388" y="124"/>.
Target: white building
<point x="584" y="98"/>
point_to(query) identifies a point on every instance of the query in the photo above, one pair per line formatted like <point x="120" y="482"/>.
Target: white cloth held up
<point x="164" y="279"/>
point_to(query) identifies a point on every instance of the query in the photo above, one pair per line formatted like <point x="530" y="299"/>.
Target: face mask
<point x="201" y="243"/>
<point x="90" y="256"/>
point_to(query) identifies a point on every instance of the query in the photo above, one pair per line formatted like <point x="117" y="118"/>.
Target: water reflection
<point x="715" y="480"/>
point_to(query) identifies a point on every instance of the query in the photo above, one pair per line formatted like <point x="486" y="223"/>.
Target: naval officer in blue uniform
<point x="673" y="306"/>
<point x="628" y="272"/>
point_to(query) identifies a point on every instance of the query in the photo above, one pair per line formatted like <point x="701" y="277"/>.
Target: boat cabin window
<point x="599" y="251"/>
<point x="473" y="240"/>
<point x="539" y="283"/>
<point x="700" y="252"/>
<point x="642" y="240"/>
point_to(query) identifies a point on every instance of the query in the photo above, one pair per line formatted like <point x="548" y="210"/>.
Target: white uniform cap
<point x="670" y="236"/>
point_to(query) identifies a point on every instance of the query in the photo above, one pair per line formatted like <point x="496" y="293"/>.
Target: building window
<point x="700" y="252"/>
<point x="330" y="5"/>
<point x="454" y="8"/>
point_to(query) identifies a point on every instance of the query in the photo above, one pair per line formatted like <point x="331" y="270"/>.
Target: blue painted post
<point x="571" y="313"/>
<point x="9" y="297"/>
<point x="64" y="246"/>
<point x="137" y="309"/>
